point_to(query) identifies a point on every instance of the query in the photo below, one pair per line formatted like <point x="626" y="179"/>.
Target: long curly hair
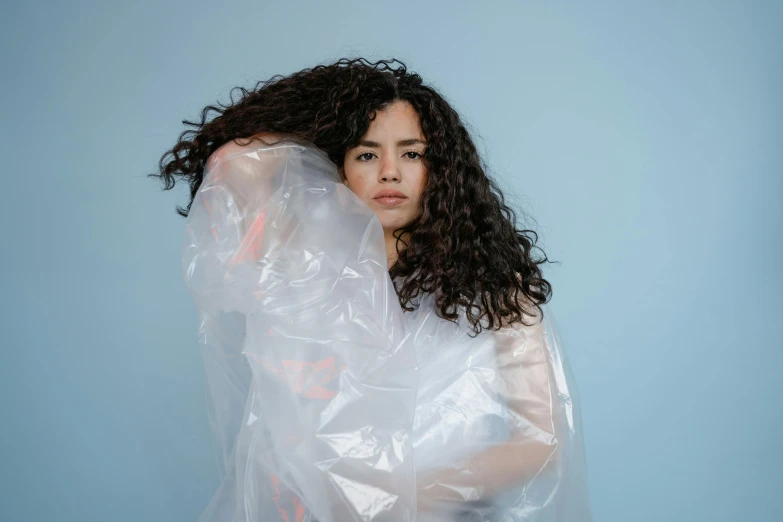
<point x="465" y="249"/>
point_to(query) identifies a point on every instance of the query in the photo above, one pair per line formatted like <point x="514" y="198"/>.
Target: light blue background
<point x="645" y="140"/>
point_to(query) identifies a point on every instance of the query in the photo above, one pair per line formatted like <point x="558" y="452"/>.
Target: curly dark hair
<point x="465" y="248"/>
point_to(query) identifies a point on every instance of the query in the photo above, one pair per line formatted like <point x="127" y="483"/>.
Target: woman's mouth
<point x="390" y="197"/>
<point x="390" y="201"/>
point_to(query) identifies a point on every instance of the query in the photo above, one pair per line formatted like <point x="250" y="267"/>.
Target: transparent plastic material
<point x="331" y="404"/>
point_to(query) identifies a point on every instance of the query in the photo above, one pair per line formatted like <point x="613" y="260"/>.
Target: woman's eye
<point x="367" y="156"/>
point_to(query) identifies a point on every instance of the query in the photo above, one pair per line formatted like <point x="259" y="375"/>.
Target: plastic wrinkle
<point x="327" y="402"/>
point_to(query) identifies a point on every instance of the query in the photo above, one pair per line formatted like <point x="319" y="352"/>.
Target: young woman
<point x="447" y="397"/>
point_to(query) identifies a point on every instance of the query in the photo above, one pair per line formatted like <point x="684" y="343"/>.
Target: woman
<point x="468" y="386"/>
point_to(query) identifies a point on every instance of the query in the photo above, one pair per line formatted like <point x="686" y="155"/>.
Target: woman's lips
<point x="390" y="201"/>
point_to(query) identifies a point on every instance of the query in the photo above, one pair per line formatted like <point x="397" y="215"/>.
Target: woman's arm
<point x="523" y="364"/>
<point x="330" y="369"/>
<point x="247" y="178"/>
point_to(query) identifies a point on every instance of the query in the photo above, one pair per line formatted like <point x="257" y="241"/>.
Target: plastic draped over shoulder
<point x="331" y="404"/>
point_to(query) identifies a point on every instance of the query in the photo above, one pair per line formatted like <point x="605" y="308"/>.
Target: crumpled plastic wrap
<point x="327" y="401"/>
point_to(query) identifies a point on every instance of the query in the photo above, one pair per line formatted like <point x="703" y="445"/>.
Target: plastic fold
<point x="327" y="402"/>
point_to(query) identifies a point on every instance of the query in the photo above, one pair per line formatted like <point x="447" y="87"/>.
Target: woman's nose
<point x="389" y="170"/>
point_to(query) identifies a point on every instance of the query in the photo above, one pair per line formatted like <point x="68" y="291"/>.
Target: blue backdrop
<point x="645" y="140"/>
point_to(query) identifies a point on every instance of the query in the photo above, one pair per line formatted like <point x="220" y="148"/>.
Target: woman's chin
<point x="390" y="226"/>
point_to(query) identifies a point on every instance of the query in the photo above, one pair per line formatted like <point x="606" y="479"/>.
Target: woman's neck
<point x="391" y="246"/>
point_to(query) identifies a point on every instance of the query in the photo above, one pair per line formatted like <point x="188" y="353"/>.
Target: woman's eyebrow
<point x="401" y="143"/>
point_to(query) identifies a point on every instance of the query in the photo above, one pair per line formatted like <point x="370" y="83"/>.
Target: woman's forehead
<point x="398" y="121"/>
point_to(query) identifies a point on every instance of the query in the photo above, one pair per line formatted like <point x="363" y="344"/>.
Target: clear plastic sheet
<point x="330" y="404"/>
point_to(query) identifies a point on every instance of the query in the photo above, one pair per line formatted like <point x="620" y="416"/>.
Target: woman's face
<point x="389" y="159"/>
